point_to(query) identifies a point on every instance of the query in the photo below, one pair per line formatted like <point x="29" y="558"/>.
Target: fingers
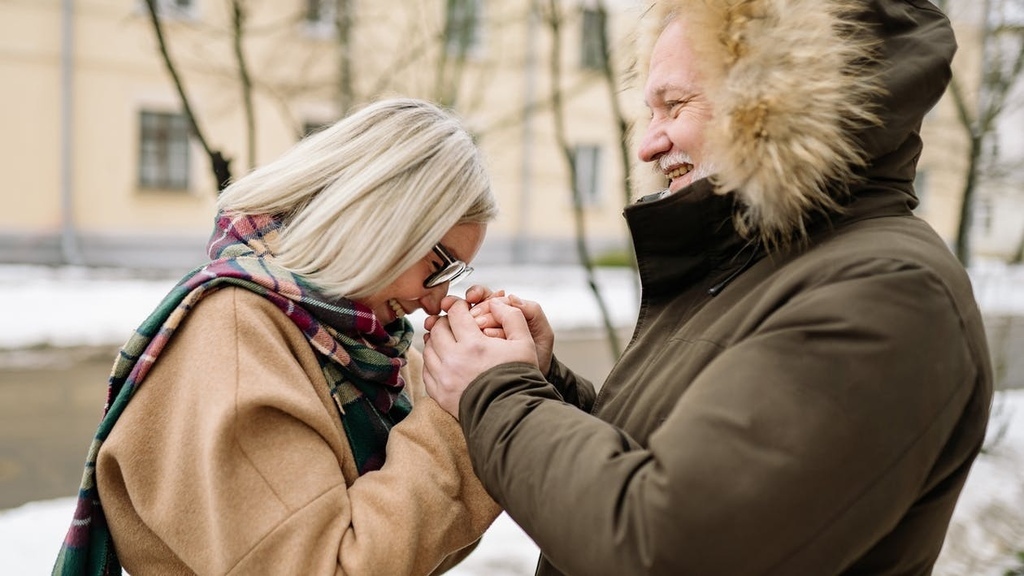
<point x="494" y="333"/>
<point x="429" y="321"/>
<point x="477" y="293"/>
<point x="511" y="320"/>
<point x="462" y="323"/>
<point x="428" y="377"/>
<point x="449" y="301"/>
<point x="434" y="385"/>
<point x="482" y="314"/>
<point x="440" y="332"/>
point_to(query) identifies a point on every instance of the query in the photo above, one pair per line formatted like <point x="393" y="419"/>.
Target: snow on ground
<point x="42" y="306"/>
<point x="987" y="527"/>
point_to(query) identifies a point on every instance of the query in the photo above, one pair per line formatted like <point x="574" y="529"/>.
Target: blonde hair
<point x="366" y="198"/>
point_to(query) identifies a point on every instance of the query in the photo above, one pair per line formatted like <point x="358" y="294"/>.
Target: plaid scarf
<point x="360" y="359"/>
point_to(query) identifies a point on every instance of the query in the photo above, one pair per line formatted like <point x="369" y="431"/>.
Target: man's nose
<point x="654" y="144"/>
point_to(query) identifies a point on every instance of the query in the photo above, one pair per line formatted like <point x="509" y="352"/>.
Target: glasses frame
<point x="451" y="271"/>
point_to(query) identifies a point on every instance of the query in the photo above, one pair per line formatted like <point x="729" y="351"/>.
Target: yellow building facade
<point x="97" y="172"/>
<point x="100" y="166"/>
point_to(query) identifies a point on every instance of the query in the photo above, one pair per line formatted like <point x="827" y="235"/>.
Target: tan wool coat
<point x="231" y="459"/>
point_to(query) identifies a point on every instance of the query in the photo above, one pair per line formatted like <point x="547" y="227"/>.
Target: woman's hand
<point x="540" y="328"/>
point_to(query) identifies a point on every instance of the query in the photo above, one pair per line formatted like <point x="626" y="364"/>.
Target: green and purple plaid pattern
<point x="360" y="359"/>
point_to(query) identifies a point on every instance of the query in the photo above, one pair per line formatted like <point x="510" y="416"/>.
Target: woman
<point x="277" y="421"/>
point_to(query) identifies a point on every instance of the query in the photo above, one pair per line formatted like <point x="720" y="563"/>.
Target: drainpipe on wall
<point x="69" y="249"/>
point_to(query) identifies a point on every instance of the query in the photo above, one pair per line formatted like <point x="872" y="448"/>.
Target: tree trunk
<point x="343" y="21"/>
<point x="554" y="21"/>
<point x="1018" y="255"/>
<point x="238" y="33"/>
<point x="220" y="165"/>
<point x="963" y="233"/>
<point x="624" y="127"/>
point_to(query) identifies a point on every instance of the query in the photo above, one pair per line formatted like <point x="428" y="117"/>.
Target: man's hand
<point x="540" y="330"/>
<point x="457" y="350"/>
<point x="479" y="296"/>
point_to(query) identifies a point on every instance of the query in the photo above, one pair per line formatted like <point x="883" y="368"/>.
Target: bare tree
<point x="554" y="20"/>
<point x="623" y="124"/>
<point x="998" y="79"/>
<point x="220" y="165"/>
<point x="245" y="81"/>
<point x="344" y="23"/>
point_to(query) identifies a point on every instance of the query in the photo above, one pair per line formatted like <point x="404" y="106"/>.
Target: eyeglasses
<point x="452" y="269"/>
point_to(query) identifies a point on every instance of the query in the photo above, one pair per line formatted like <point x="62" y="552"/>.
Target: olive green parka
<point x="809" y="381"/>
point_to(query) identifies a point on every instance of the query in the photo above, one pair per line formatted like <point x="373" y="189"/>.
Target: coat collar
<point x="681" y="237"/>
<point x="691" y="236"/>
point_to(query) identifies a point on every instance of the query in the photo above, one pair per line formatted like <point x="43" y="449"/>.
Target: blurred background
<point x="122" y="119"/>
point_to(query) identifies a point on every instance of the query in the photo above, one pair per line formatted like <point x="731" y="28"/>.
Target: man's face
<point x="674" y="140"/>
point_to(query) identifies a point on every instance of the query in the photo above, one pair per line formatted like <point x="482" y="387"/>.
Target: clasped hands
<point x="475" y="334"/>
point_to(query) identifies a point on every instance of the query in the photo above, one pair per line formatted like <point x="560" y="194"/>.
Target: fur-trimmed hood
<point x="808" y="102"/>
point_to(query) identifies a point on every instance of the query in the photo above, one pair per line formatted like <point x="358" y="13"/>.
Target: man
<point x="809" y="381"/>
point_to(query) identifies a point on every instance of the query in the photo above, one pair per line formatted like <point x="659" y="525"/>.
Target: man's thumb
<point x="512" y="321"/>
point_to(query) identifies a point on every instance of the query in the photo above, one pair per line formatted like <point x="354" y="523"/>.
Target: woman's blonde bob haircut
<point x="363" y="200"/>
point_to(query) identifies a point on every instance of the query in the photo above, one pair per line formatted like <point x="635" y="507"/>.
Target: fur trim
<point x="791" y="83"/>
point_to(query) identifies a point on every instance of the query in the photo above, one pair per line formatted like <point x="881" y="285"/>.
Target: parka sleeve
<point x="234" y="457"/>
<point x="574" y="389"/>
<point x="795" y="450"/>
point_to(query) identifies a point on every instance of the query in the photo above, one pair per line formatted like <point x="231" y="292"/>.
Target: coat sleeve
<point x="794" y="450"/>
<point x="574" y="389"/>
<point x="233" y="458"/>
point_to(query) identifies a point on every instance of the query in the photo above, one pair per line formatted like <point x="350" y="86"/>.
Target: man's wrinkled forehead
<point x="672" y="70"/>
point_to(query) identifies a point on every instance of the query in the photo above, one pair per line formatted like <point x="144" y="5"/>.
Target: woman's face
<point x="407" y="294"/>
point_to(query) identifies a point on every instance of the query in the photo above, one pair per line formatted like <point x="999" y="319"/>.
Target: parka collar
<point x="683" y="236"/>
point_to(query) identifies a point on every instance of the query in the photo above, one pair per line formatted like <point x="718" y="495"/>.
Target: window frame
<point x="588" y="178"/>
<point x="172" y="9"/>
<point x="453" y="17"/>
<point x="164" y="151"/>
<point x="325" y="22"/>
<point x="592" y="23"/>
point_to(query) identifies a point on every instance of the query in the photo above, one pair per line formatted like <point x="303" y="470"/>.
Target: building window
<point x="592" y="50"/>
<point x="178" y="9"/>
<point x="587" y="162"/>
<point x="320" y="12"/>
<point x="983" y="215"/>
<point x="463" y="26"/>
<point x="321" y="18"/>
<point x="163" y="151"/>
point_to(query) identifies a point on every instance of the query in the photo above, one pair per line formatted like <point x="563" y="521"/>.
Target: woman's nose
<point x="431" y="301"/>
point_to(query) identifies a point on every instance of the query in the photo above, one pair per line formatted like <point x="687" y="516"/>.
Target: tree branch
<point x="554" y="22"/>
<point x="219" y="164"/>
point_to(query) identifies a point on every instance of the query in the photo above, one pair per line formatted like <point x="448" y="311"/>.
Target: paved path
<point x="48" y="416"/>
